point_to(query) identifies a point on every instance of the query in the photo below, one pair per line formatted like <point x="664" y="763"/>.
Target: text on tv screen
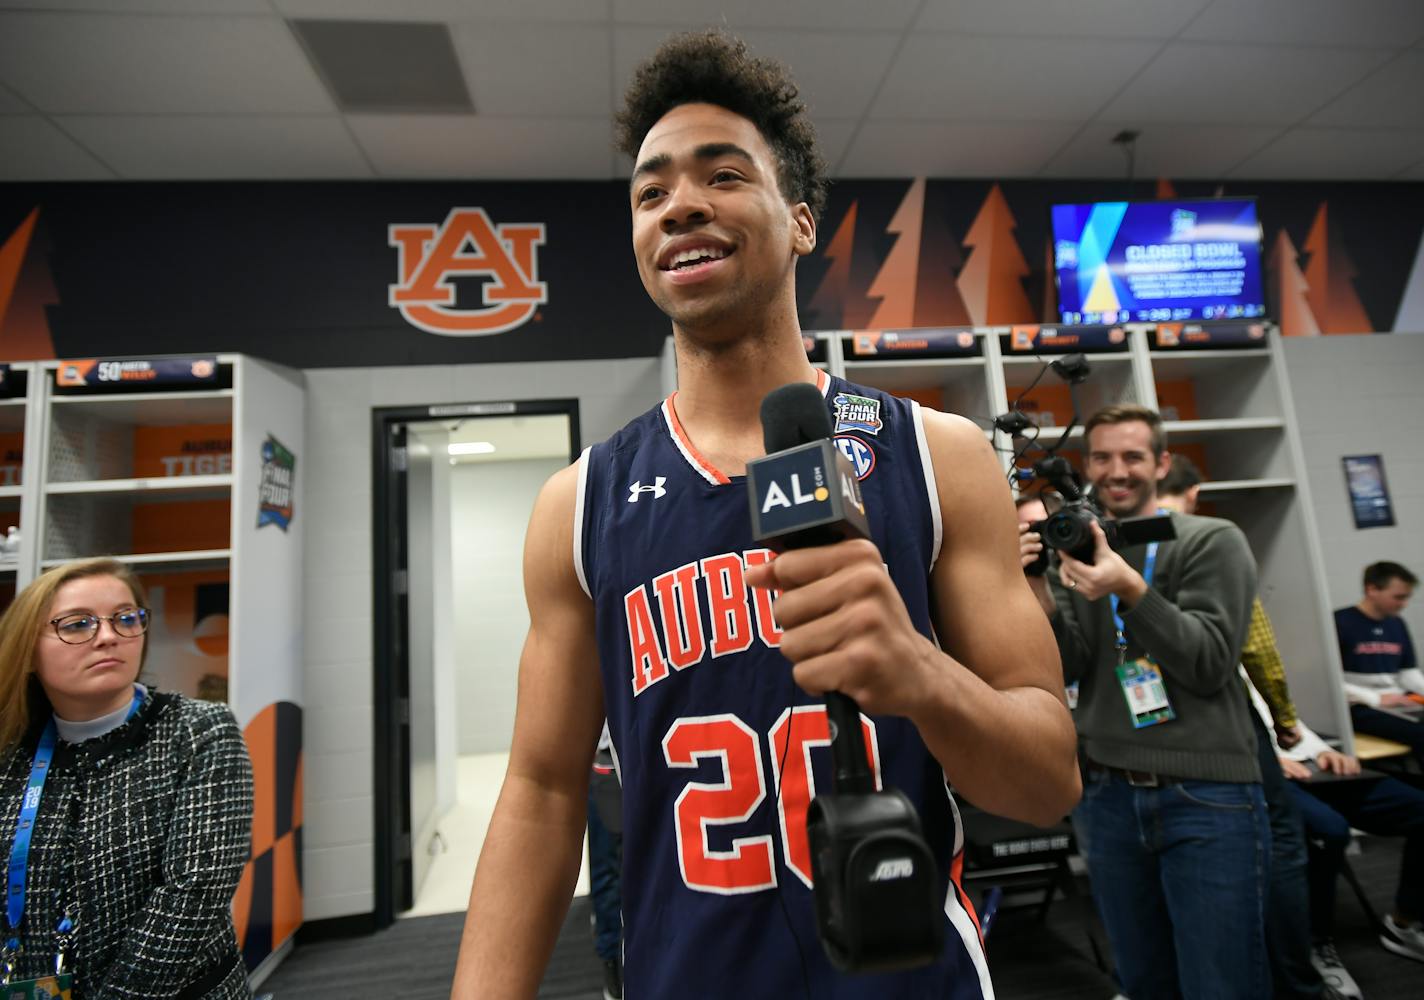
<point x="1158" y="261"/>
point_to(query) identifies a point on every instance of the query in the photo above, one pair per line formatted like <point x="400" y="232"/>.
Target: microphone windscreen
<point x="792" y="415"/>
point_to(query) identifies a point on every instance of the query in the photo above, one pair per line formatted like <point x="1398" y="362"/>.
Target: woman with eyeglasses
<point x="125" y="812"/>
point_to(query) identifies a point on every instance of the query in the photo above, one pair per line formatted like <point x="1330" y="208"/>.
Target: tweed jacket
<point x="142" y="835"/>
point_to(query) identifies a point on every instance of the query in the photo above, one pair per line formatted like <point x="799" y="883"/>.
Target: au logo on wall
<point x="467" y="245"/>
<point x="279" y="470"/>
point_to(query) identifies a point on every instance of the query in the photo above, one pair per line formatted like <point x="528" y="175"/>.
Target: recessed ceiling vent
<point x="392" y="66"/>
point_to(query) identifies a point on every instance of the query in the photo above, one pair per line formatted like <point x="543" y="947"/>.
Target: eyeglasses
<point x="78" y="629"/>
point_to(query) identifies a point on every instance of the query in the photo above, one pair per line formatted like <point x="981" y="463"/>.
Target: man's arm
<point x="532" y="852"/>
<point x="1411" y="678"/>
<point x="1262" y="661"/>
<point x="1359" y="694"/>
<point x="990" y="705"/>
<point x="1000" y="728"/>
<point x="1073" y="648"/>
<point x="1196" y="638"/>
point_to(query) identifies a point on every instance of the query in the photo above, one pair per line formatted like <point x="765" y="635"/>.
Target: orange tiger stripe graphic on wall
<point x="25" y="289"/>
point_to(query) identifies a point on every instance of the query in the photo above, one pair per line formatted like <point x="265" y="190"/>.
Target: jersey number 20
<point x="749" y="865"/>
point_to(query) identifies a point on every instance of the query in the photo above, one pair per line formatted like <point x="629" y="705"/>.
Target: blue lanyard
<point x="25" y="827"/>
<point x="1147" y="568"/>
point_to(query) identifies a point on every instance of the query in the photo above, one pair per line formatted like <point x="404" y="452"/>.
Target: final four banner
<point x="332" y="274"/>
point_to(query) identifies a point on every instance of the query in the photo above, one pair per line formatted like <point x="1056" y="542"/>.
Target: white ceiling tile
<point x="1390" y="23"/>
<point x="1054" y="18"/>
<point x="833" y="136"/>
<point x="883" y="15"/>
<point x="10" y="104"/>
<point x="37" y="151"/>
<point x="1237" y="84"/>
<point x="447" y="10"/>
<point x="201" y="8"/>
<point x="935" y="149"/>
<point x="227" y="147"/>
<point x="836" y="72"/>
<point x="1176" y="151"/>
<point x="1393" y="97"/>
<point x="462" y="146"/>
<point x="1335" y="154"/>
<point x="95" y="64"/>
<point x="950" y="77"/>
<point x="547" y="69"/>
<point x="631" y="46"/>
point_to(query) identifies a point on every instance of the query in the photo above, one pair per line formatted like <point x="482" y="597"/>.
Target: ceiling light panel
<point x="376" y="66"/>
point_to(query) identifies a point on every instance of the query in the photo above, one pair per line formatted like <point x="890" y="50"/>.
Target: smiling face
<point x="1123" y="469"/>
<point x="89" y="679"/>
<point x="715" y="241"/>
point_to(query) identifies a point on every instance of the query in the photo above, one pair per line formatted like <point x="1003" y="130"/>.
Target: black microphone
<point x="804" y="491"/>
<point x="875" y="880"/>
<point x="810" y="496"/>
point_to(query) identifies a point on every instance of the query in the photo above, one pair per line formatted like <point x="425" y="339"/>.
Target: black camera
<point x="1070" y="528"/>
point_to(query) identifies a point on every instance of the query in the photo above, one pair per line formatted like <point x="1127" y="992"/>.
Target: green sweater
<point x="1193" y="623"/>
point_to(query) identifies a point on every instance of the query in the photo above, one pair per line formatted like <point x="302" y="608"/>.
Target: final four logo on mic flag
<point x="279" y="470"/>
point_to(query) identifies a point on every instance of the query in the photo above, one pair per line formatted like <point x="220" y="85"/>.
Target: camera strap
<point x="1147" y="567"/>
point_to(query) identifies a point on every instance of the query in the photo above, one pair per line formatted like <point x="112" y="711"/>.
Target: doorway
<point x="454" y="487"/>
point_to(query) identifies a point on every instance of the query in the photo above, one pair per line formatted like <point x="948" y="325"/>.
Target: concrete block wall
<point x="1362" y="395"/>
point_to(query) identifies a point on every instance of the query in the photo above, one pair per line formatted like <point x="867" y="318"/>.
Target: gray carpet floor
<point x="1031" y="959"/>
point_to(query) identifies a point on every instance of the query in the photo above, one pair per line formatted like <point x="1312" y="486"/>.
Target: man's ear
<point x="1192" y="496"/>
<point x="805" y="224"/>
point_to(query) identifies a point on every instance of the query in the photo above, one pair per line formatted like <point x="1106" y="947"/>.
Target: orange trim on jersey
<point x="956" y="872"/>
<point x="687" y="446"/>
<point x="823" y="382"/>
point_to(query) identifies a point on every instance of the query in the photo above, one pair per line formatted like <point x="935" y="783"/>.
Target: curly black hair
<point x="713" y="67"/>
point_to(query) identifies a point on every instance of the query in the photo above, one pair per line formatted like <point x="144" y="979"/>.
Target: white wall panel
<point x="337" y="880"/>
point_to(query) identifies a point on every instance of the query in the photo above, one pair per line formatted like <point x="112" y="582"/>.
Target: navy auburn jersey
<point x="718" y="751"/>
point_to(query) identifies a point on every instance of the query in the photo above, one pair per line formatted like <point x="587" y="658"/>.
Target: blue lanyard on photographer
<point x="1147" y="567"/>
<point x="20" y="852"/>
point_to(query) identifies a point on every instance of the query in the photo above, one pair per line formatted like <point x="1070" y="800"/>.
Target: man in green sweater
<point x="1172" y="819"/>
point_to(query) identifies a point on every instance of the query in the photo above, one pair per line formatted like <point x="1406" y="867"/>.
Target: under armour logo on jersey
<point x="656" y="489"/>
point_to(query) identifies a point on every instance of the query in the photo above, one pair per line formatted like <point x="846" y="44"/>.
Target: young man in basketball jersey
<point x="643" y="552"/>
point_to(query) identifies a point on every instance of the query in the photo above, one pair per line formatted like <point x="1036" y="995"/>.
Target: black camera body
<point x="1070" y="528"/>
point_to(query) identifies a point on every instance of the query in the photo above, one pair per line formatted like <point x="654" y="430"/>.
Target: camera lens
<point x="1068" y="531"/>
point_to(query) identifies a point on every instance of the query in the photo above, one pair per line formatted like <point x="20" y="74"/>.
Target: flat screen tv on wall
<point x="1158" y="261"/>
